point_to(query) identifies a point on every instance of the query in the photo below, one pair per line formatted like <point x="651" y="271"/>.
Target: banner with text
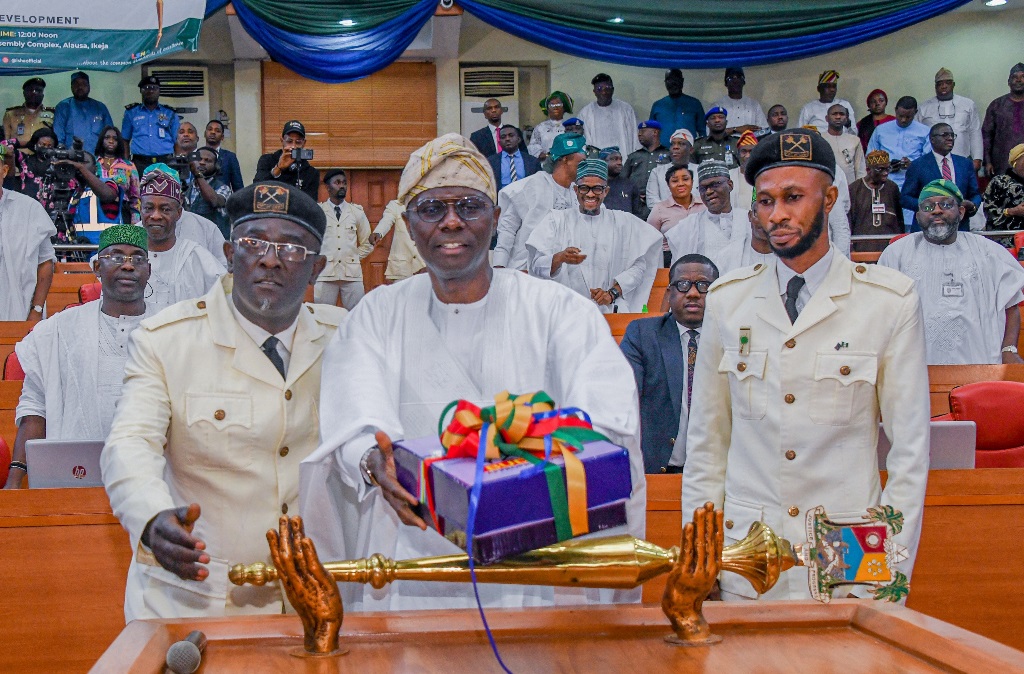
<point x="95" y="34"/>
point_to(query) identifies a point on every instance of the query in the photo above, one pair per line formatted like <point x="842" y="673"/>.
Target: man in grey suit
<point x="663" y="351"/>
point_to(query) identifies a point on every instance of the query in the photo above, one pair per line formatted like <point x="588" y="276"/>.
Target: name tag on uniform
<point x="744" y="341"/>
<point x="160" y="132"/>
<point x="878" y="209"/>
<point x="728" y="157"/>
<point x="21" y="129"/>
<point x="952" y="289"/>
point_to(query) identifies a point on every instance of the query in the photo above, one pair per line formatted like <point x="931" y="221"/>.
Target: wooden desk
<point x="618" y="322"/>
<point x="64" y="561"/>
<point x="785" y="637"/>
<point x="970" y="559"/>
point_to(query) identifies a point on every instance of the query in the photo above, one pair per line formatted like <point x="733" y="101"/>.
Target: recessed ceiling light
<point x="619" y="19"/>
<point x="348" y="23"/>
<point x="995" y="3"/>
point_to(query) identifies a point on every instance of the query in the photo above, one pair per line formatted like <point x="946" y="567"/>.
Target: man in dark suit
<point x="512" y="163"/>
<point x="942" y="163"/>
<point x="230" y="171"/>
<point x="486" y="139"/>
<point x="662" y="351"/>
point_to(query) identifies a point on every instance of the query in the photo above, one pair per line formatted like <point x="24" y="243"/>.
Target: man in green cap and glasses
<point x="74" y="361"/>
<point x="970" y="286"/>
<point x="525" y="202"/>
<point x="608" y="256"/>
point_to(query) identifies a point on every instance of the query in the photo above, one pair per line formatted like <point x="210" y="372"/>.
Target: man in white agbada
<point x="607" y="121"/>
<point x="180" y="268"/>
<point x="195" y="227"/>
<point x="403" y="258"/>
<point x="959" y="112"/>
<point x="610" y="257"/>
<point x="460" y="331"/>
<point x="680" y="147"/>
<point x="969" y="286"/>
<point x="74" y="360"/>
<point x="708" y="232"/>
<point x="525" y="202"/>
<point x="26" y="254"/>
<point x="815" y="113"/>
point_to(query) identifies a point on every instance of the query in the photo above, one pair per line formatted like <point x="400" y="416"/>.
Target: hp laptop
<point x="56" y="464"/>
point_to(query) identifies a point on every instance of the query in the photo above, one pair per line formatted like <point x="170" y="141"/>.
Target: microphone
<point x="184" y="657"/>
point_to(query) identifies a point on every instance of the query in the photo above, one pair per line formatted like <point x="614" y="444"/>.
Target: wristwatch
<point x="38" y="308"/>
<point x="614" y="292"/>
<point x="364" y="467"/>
<point x="1010" y="349"/>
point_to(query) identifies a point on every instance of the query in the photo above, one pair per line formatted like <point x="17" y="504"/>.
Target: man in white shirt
<point x="26" y="254"/>
<point x="461" y="331"/>
<point x="403" y="258"/>
<point x="847" y="148"/>
<point x="815" y="113"/>
<point x="610" y="257"/>
<point x="707" y="232"/>
<point x="969" y="286"/>
<point x="799" y="360"/>
<point x="524" y="203"/>
<point x="74" y="361"/>
<point x="608" y="122"/>
<point x="745" y="113"/>
<point x="180" y="268"/>
<point x="346" y="242"/>
<point x="959" y="112"/>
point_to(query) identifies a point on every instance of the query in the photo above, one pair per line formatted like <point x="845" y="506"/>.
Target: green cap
<point x="132" y="235"/>
<point x="941" y="188"/>
<point x="565" y="144"/>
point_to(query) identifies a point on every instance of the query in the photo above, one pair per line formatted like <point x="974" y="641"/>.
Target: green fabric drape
<point x="325" y="17"/>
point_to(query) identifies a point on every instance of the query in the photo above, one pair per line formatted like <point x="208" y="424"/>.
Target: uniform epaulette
<point x="176" y="312"/>
<point x="354" y="205"/>
<point x="13" y="107"/>
<point x="49" y="109"/>
<point x="132" y="105"/>
<point x="885" y="277"/>
<point x="737" y="275"/>
<point x="326" y="314"/>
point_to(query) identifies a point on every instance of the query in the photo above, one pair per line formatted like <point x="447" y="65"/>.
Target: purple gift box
<point x="515" y="513"/>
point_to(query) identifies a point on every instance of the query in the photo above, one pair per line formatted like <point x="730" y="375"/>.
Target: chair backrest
<point x="12" y="368"/>
<point x="995" y="407"/>
<point x="897" y="238"/>
<point x="1018" y="243"/>
<point x="89" y="292"/>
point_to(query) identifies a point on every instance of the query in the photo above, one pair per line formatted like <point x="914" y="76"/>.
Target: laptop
<point x="57" y="464"/>
<point x="952" y="445"/>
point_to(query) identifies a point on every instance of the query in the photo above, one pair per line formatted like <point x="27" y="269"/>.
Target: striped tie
<point x="691" y="360"/>
<point x="946" y="173"/>
<point x="512" y="175"/>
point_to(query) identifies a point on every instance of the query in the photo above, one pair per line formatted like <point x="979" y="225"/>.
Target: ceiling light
<point x="995" y="3"/>
<point x="348" y="23"/>
<point x="619" y="19"/>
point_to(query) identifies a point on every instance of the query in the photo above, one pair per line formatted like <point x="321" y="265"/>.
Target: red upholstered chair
<point x="897" y="238"/>
<point x="89" y="292"/>
<point x="12" y="368"/>
<point x="1018" y="243"/>
<point x="995" y="406"/>
<point x="5" y="461"/>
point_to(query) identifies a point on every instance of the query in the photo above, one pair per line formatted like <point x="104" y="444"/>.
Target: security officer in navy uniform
<point x="149" y="126"/>
<point x="639" y="164"/>
<point x="21" y="121"/>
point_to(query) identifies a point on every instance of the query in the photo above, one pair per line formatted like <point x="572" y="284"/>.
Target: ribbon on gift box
<point x="530" y="427"/>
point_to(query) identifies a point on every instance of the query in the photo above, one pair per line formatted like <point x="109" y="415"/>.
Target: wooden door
<point x="373" y="189"/>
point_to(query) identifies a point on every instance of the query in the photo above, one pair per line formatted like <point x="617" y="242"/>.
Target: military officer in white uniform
<point x="799" y="359"/>
<point x="346" y="242"/>
<point x="219" y="407"/>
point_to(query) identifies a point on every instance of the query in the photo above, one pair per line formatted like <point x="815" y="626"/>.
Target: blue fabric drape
<point x="691" y="54"/>
<point x="338" y="58"/>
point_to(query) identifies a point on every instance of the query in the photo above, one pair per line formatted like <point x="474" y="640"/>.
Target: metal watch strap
<point x="364" y="467"/>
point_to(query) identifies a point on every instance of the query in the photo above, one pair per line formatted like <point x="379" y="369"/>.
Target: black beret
<point x="149" y="79"/>
<point x="35" y="81"/>
<point x="792" y="147"/>
<point x="272" y="199"/>
<point x="333" y="172"/>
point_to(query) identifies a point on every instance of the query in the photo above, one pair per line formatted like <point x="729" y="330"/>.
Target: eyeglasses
<point x="592" y="189"/>
<point x="929" y="206"/>
<point x="712" y="186"/>
<point x="467" y="208"/>
<point x="684" y="286"/>
<point x="118" y="259"/>
<point x="286" y="252"/>
<point x="949" y="134"/>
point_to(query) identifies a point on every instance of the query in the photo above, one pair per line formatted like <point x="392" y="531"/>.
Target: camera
<point x="301" y="153"/>
<point x="57" y="180"/>
<point x="63" y="172"/>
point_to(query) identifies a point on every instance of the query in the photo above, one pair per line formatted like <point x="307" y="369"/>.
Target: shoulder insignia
<point x="132" y="105"/>
<point x="326" y="314"/>
<point x="13" y="107"/>
<point x="738" y="275"/>
<point x="356" y="206"/>
<point x="884" y="277"/>
<point x="195" y="308"/>
<point x="46" y="109"/>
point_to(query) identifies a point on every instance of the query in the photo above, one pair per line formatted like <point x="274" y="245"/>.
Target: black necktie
<point x="337" y="212"/>
<point x="792" y="290"/>
<point x="691" y="360"/>
<point x="270" y="348"/>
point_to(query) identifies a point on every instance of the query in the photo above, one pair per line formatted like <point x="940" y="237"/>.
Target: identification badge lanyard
<point x="950" y="286"/>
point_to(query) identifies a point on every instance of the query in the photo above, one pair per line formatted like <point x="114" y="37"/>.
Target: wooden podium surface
<point x="847" y="636"/>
